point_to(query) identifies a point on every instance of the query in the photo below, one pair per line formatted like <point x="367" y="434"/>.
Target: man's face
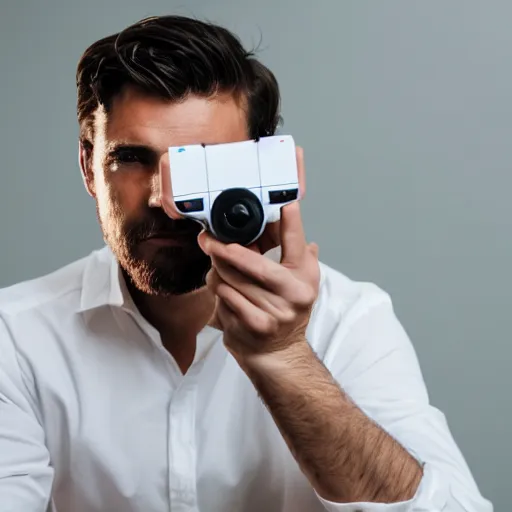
<point x="159" y="254"/>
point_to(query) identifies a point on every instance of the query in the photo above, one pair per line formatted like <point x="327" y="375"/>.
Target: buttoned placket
<point x="181" y="448"/>
<point x="182" y="451"/>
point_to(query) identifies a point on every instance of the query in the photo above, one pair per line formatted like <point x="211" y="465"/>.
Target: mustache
<point x="159" y="224"/>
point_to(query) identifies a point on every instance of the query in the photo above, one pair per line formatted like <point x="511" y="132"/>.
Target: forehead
<point x="136" y="118"/>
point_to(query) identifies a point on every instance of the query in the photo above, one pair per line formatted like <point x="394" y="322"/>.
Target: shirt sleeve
<point x="376" y="365"/>
<point x="25" y="472"/>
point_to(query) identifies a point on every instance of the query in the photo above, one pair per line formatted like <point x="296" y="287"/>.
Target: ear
<point x="85" y="151"/>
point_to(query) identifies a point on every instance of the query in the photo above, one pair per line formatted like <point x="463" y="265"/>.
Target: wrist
<point x="294" y="355"/>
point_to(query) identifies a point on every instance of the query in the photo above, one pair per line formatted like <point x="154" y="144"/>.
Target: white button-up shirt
<point x="95" y="415"/>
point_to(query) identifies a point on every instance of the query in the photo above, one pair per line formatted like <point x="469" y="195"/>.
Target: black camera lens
<point x="237" y="216"/>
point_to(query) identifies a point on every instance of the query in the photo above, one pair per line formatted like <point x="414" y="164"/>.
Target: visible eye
<point x="132" y="155"/>
<point x="128" y="156"/>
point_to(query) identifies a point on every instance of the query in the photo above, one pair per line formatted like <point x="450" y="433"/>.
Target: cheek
<point x="122" y="195"/>
<point x="117" y="203"/>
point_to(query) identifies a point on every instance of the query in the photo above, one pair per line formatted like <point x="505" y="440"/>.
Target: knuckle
<point x="261" y="274"/>
<point x="212" y="279"/>
<point x="209" y="278"/>
<point x="223" y="289"/>
<point x="306" y="296"/>
<point x="288" y="316"/>
<point x="266" y="325"/>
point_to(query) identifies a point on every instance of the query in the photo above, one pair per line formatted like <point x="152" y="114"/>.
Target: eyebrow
<point x="116" y="147"/>
<point x="119" y="146"/>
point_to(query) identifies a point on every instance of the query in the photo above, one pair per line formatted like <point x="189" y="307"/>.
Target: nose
<point x="161" y="189"/>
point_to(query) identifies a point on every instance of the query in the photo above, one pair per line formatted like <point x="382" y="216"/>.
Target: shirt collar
<point x="103" y="283"/>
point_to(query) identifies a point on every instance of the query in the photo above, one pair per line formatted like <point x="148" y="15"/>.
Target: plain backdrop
<point x="404" y="109"/>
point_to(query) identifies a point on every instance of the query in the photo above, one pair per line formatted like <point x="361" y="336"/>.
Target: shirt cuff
<point x="431" y="496"/>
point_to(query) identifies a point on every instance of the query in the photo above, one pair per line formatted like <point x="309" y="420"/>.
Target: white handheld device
<point x="235" y="189"/>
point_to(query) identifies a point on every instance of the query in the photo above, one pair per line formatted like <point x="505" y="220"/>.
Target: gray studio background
<point x="404" y="109"/>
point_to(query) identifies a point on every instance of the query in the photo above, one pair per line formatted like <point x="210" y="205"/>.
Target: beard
<point x="163" y="270"/>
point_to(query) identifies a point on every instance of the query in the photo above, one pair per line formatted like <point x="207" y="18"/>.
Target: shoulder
<point x="341" y="301"/>
<point x="60" y="286"/>
<point x="348" y="298"/>
<point x="339" y="295"/>
<point x="350" y="316"/>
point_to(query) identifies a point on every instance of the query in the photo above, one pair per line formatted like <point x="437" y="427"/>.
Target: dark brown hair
<point x="172" y="57"/>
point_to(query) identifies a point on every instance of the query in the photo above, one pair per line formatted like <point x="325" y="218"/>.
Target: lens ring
<point x="224" y="203"/>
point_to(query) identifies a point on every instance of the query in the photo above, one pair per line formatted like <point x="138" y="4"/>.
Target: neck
<point x="178" y="319"/>
<point x="185" y="314"/>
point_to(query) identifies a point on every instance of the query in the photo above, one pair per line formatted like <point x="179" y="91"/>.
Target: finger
<point x="267" y="273"/>
<point x="205" y="239"/>
<point x="223" y="315"/>
<point x="275" y="305"/>
<point x="271" y="236"/>
<point x="243" y="312"/>
<point x="293" y="240"/>
<point x="215" y="320"/>
<point x="301" y="171"/>
<point x="292" y="237"/>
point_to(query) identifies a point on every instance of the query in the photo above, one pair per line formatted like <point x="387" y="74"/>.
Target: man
<point x="169" y="371"/>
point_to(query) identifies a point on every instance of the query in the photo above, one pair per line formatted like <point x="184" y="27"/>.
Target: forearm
<point x="345" y="455"/>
